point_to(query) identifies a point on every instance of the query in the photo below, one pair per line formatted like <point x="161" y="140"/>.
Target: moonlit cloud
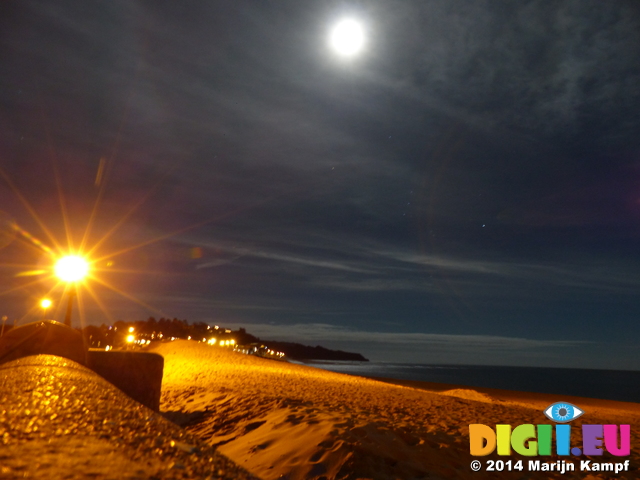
<point x="470" y="177"/>
<point x="313" y="333"/>
<point x="436" y="348"/>
<point x="372" y="268"/>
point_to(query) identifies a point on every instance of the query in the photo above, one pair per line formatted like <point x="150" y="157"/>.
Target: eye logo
<point x="562" y="412"/>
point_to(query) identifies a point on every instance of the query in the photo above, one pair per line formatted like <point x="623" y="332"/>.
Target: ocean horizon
<point x="620" y="385"/>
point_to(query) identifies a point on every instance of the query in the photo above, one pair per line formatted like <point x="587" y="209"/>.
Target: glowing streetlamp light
<point x="71" y="269"/>
<point x="45" y="303"/>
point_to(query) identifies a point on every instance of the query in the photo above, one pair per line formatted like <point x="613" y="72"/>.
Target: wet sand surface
<point x="290" y="421"/>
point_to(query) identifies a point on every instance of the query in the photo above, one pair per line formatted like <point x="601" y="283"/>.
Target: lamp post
<point x="72" y="294"/>
<point x="71" y="269"/>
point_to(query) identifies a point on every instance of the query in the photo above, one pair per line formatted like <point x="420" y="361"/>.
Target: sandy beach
<point x="282" y="420"/>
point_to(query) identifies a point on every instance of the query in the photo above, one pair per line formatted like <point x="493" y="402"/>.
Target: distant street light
<point x="45" y="303"/>
<point x="71" y="269"/>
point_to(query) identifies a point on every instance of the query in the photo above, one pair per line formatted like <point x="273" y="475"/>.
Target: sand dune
<point x="282" y="420"/>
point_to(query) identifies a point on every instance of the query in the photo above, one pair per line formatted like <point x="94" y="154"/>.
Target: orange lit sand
<point x="282" y="420"/>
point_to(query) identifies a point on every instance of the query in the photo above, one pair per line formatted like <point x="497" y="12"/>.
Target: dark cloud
<point x="552" y="69"/>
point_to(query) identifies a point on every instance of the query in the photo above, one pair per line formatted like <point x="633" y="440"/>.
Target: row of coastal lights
<point x="221" y="343"/>
<point x="213" y="341"/>
<point x="232" y="343"/>
<point x="273" y="352"/>
<point x="131" y="339"/>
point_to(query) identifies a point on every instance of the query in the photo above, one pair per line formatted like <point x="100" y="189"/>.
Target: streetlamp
<point x="45" y="303"/>
<point x="71" y="269"/>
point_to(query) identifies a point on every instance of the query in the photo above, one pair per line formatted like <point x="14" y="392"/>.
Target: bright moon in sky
<point x="347" y="37"/>
<point x="71" y="268"/>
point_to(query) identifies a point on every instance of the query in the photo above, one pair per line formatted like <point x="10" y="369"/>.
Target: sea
<point x="618" y="385"/>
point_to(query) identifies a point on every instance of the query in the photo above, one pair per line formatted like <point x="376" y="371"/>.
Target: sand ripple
<point x="290" y="421"/>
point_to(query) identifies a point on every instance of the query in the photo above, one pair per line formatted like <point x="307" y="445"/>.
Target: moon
<point x="347" y="37"/>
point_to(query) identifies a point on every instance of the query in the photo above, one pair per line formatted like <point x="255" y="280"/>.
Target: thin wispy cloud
<point x="380" y="268"/>
<point x="472" y="172"/>
<point x="317" y="332"/>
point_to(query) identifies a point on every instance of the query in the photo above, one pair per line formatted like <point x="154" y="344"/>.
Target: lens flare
<point x="71" y="268"/>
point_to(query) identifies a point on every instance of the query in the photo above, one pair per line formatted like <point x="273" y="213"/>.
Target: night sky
<point x="466" y="189"/>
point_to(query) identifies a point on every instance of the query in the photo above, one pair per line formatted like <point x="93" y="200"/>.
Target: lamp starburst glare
<point x="71" y="268"/>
